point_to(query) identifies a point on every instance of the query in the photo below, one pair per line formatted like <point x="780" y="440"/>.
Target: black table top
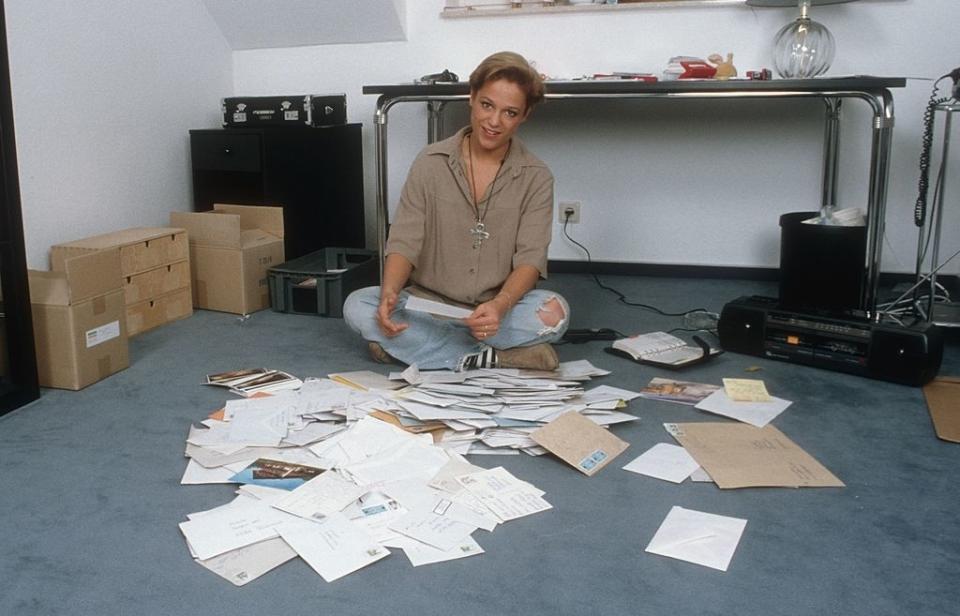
<point x="858" y="83"/>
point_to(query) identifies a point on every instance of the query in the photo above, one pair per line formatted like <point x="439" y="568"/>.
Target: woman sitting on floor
<point x="472" y="230"/>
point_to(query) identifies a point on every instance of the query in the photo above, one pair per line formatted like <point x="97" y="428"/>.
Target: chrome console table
<point x="874" y="91"/>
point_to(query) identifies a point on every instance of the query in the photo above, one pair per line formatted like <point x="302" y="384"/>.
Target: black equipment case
<point x="298" y="110"/>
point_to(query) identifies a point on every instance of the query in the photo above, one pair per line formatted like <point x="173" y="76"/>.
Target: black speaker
<point x="903" y="356"/>
<point x="741" y="327"/>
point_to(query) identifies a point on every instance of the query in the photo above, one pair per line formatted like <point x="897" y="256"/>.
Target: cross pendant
<point x="479" y="234"/>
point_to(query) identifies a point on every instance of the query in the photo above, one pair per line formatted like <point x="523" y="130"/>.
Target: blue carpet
<point x="91" y="495"/>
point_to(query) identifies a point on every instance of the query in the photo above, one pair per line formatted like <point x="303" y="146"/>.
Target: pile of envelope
<point x="339" y="475"/>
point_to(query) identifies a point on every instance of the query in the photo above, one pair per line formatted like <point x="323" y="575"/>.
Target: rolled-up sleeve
<point x="535" y="230"/>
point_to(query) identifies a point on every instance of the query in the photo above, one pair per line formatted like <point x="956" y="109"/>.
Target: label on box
<point x="99" y="335"/>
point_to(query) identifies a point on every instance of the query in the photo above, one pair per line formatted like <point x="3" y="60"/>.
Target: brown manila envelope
<point x="579" y="442"/>
<point x="738" y="455"/>
<point x="943" y="401"/>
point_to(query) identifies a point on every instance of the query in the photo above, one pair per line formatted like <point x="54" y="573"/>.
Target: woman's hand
<point x="389" y="327"/>
<point x="484" y="322"/>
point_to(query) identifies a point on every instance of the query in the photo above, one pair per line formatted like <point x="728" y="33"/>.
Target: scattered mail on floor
<point x="344" y="470"/>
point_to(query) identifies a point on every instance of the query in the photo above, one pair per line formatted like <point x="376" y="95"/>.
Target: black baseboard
<point x="661" y="270"/>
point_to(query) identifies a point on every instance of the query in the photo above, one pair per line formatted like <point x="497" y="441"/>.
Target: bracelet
<point x="509" y="298"/>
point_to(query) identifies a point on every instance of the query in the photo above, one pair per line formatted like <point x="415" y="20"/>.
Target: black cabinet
<point x="18" y="360"/>
<point x="314" y="174"/>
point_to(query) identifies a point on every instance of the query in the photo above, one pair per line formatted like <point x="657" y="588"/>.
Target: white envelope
<point x="697" y="537"/>
<point x="664" y="461"/>
<point x="333" y="547"/>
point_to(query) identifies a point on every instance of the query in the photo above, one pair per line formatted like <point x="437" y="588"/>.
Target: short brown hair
<point x="514" y="68"/>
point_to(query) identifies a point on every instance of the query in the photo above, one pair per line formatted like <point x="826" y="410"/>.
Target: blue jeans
<point x="435" y="343"/>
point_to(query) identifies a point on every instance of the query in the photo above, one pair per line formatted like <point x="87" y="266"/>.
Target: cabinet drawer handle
<point x="227" y="151"/>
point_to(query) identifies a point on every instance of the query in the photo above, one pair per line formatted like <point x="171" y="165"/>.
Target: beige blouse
<point x="436" y="213"/>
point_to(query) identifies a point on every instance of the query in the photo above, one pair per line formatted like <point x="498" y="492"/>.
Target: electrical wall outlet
<point x="568" y="211"/>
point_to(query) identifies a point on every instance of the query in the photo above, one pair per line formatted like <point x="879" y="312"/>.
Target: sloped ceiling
<point x="260" y="24"/>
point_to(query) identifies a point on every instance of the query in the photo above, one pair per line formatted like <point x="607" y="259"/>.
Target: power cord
<point x="920" y="208"/>
<point x="708" y="319"/>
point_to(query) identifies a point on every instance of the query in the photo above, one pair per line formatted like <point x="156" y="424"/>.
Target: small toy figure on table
<point x="725" y="68"/>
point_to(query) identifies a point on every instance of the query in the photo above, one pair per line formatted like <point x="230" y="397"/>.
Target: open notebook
<point x="662" y="349"/>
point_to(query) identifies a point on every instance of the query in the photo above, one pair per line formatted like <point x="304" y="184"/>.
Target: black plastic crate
<point x="319" y="282"/>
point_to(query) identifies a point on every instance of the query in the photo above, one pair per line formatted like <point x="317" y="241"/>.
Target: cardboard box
<point x="154" y="312"/>
<point x="231" y="249"/>
<point x="80" y="331"/>
<point x="158" y="281"/>
<point x="141" y="248"/>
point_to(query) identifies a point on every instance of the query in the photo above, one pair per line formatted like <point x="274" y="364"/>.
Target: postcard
<point x="277" y="474"/>
<point x="229" y="379"/>
<point x="682" y="392"/>
<point x="272" y="380"/>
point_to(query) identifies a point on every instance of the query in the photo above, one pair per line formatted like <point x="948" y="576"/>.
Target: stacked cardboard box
<point x="79" y="327"/>
<point x="154" y="269"/>
<point x="231" y="249"/>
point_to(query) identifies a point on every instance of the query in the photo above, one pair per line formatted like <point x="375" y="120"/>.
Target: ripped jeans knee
<point x="554" y="315"/>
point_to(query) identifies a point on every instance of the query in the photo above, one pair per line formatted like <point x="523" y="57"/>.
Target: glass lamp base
<point x="802" y="49"/>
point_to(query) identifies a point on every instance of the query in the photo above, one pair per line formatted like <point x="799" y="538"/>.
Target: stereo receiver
<point x="845" y="341"/>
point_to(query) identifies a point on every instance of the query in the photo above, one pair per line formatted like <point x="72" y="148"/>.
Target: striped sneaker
<point x="485" y="358"/>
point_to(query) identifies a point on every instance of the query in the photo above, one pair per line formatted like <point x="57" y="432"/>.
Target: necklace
<point x="479" y="230"/>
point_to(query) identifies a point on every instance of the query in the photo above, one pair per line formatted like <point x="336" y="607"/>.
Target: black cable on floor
<point x="620" y="296"/>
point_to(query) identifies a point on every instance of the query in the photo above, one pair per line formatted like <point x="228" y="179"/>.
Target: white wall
<point x="677" y="182"/>
<point x="104" y="94"/>
<point x="106" y="90"/>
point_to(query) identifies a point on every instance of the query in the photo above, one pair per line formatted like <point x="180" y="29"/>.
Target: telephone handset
<point x="920" y="209"/>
